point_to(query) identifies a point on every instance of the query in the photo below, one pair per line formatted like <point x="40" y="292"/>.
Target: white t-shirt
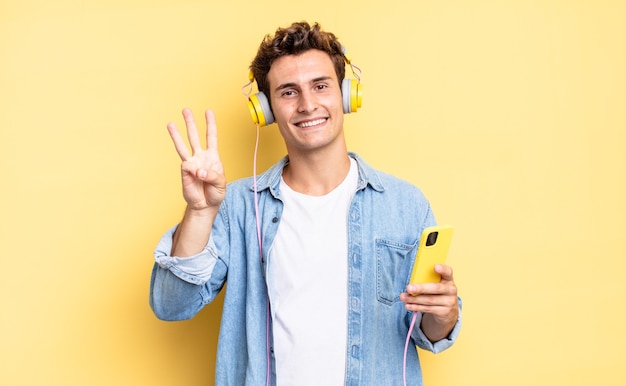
<point x="308" y="276"/>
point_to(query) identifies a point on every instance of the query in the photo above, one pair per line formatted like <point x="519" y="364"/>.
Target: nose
<point x="307" y="102"/>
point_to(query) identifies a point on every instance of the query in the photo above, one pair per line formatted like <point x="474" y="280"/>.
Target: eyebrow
<point x="292" y="84"/>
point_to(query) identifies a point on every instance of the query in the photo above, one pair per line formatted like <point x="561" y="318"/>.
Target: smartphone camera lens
<point x="431" y="239"/>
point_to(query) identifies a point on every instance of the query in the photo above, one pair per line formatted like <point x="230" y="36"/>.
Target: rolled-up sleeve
<point x="436" y="347"/>
<point x="194" y="269"/>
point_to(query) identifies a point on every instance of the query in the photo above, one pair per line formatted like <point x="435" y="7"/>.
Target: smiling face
<point x="306" y="101"/>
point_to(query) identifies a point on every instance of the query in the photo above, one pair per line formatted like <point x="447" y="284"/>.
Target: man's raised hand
<point x="203" y="179"/>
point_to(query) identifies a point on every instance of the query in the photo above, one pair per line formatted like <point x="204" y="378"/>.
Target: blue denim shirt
<point x="385" y="221"/>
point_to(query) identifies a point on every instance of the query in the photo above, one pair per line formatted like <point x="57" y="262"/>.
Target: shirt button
<point x="275" y="220"/>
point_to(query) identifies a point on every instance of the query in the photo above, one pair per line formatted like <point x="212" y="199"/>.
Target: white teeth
<point x="312" y="123"/>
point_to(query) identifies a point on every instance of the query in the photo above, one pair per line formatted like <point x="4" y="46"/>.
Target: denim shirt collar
<point x="271" y="178"/>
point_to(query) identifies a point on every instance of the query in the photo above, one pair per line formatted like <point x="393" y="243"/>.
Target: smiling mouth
<point x="312" y="123"/>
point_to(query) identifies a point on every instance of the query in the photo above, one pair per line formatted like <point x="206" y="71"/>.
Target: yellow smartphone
<point x="432" y="250"/>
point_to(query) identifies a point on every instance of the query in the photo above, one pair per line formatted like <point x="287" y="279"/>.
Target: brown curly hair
<point x="294" y="40"/>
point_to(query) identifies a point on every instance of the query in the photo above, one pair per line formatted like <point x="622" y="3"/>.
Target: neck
<point x="316" y="174"/>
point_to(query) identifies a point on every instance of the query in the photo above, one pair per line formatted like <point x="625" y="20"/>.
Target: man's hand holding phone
<point x="432" y="290"/>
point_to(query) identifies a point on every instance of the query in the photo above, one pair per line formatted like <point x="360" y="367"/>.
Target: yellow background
<point x="510" y="115"/>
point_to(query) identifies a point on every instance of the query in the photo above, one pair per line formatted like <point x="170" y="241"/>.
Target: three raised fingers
<point x="192" y="135"/>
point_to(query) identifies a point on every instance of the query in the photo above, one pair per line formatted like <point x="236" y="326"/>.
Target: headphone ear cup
<point x="260" y="109"/>
<point x="352" y="95"/>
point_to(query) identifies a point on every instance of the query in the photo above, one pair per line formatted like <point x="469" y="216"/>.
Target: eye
<point x="288" y="93"/>
<point x="321" y="86"/>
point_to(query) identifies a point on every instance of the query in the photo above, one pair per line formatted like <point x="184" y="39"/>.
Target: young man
<point x="327" y="302"/>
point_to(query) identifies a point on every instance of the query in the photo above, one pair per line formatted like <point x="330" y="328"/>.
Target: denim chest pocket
<point x="392" y="269"/>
